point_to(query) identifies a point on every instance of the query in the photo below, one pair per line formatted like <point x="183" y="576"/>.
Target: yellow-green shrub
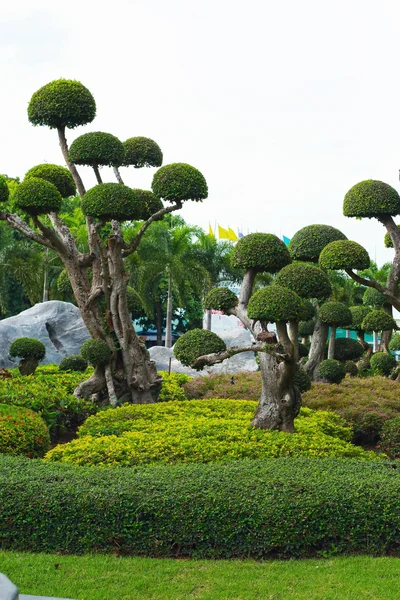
<point x="200" y="431"/>
<point x="22" y="432"/>
<point x="171" y="388"/>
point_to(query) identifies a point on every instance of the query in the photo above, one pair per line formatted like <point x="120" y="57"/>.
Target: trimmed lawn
<point x="101" y="577"/>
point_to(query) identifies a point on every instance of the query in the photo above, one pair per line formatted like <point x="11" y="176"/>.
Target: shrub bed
<point x="288" y="507"/>
<point x="246" y="384"/>
<point x="22" y="432"/>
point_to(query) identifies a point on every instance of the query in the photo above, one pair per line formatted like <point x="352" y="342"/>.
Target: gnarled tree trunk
<point x="317" y="349"/>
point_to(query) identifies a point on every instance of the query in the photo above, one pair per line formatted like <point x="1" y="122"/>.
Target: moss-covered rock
<point x="142" y="152"/>
<point x="116" y="201"/>
<point x="308" y="281"/>
<point x="220" y="298"/>
<point x="344" y="254"/>
<point x="195" y="343"/>
<point x="62" y="103"/>
<point x="179" y="182"/>
<point x="4" y="191"/>
<point x="60" y="177"/>
<point x="97" y="148"/>
<point x="382" y="363"/>
<point x="371" y="198"/>
<point x="331" y="371"/>
<point x="378" y="320"/>
<point x="96" y="352"/>
<point x="335" y="314"/>
<point x="37" y="196"/>
<point x="262" y="252"/>
<point x="308" y="243"/>
<point x="275" y="303"/>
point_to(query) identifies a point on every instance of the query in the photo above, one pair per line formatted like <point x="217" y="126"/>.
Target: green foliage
<point x="302" y="380"/>
<point x="96" y="352"/>
<point x="62" y="103"/>
<point x="220" y="298"/>
<point x="306" y="328"/>
<point x="37" y="196"/>
<point x="382" y="363"/>
<point x="4" y="191"/>
<point x="308" y="243"/>
<point x="245" y="384"/>
<point x="147" y="204"/>
<point x="350" y="367"/>
<point x="179" y="182"/>
<point x="135" y="303"/>
<point x="73" y="362"/>
<point x="22" y="432"/>
<point x="96" y="148"/>
<point x="378" y="320"/>
<point x="387" y="240"/>
<point x="373" y="298"/>
<point x="306" y="280"/>
<point x="275" y="303"/>
<point x="28" y="348"/>
<point x="60" y="177"/>
<point x="371" y="199"/>
<point x="142" y="152"/>
<point x="116" y="201"/>
<point x="358" y="314"/>
<point x="344" y="254"/>
<point x="303" y="350"/>
<point x="64" y="285"/>
<point x="335" y="314"/>
<point x="261" y="251"/>
<point x="331" y="371"/>
<point x="308" y="311"/>
<point x="390" y="438"/>
<point x="171" y="388"/>
<point x="195" y="343"/>
<point x="347" y="349"/>
<point x="395" y="343"/>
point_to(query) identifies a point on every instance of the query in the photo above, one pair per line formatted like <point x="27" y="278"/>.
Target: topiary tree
<point x="378" y="320"/>
<point x="342" y="255"/>
<point x="306" y="328"/>
<point x="383" y="363"/>
<point x="358" y="313"/>
<point x="334" y="314"/>
<point x="30" y="351"/>
<point x="395" y="343"/>
<point x="347" y="349"/>
<point x="220" y="298"/>
<point x="331" y="371"/>
<point x="98" y="278"/>
<point x="73" y="362"/>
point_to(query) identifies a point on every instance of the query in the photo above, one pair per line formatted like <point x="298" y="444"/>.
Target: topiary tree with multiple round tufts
<point x="334" y="314"/>
<point x="4" y="191"/>
<point x="37" y="196"/>
<point x="60" y="177"/>
<point x="344" y="255"/>
<point x="331" y="371"/>
<point x="383" y="363"/>
<point x="73" y="362"/>
<point x="308" y="243"/>
<point x="30" y="351"/>
<point x="220" y="298"/>
<point x="179" y="182"/>
<point x="262" y="252"/>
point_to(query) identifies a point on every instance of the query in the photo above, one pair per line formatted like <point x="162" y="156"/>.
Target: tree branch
<point x="19" y="225"/>
<point x="391" y="228"/>
<point x="218" y="357"/>
<point x="118" y="175"/>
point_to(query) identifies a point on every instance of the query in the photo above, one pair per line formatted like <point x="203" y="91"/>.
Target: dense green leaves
<point x="335" y="313"/>
<point x="347" y="349"/>
<point x="60" y="177"/>
<point x="308" y="243"/>
<point x="373" y="298"/>
<point x="371" y="198"/>
<point x="221" y="298"/>
<point x="195" y="343"/>
<point x="116" y="201"/>
<point x="142" y="152"/>
<point x="261" y="251"/>
<point x="395" y="343"/>
<point x="178" y="182"/>
<point x="28" y="348"/>
<point x="96" y="148"/>
<point x="378" y="320"/>
<point x="73" y="362"/>
<point x="358" y="314"/>
<point x="275" y="303"/>
<point x="22" y="432"/>
<point x="382" y="363"/>
<point x="4" y="191"/>
<point x="331" y="371"/>
<point x="96" y="352"/>
<point x="37" y="196"/>
<point x="307" y="281"/>
<point x="344" y="254"/>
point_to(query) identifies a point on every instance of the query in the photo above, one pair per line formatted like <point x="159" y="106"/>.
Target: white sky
<point x="283" y="105"/>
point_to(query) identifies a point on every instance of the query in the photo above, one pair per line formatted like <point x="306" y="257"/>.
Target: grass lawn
<point x="99" y="577"/>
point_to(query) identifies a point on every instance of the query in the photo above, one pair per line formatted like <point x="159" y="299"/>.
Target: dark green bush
<point x="395" y="342"/>
<point x="344" y="254"/>
<point x="135" y="303"/>
<point x="306" y="328"/>
<point x="37" y="196"/>
<point x="195" y="343"/>
<point x="22" y="432"/>
<point x="288" y="507"/>
<point x="179" y="182"/>
<point x="261" y="251"/>
<point x="62" y="103"/>
<point x="60" y="177"/>
<point x="308" y="311"/>
<point x="308" y="243"/>
<point x="347" y="349"/>
<point x="388" y="240"/>
<point x="4" y="191"/>
<point x="358" y="314"/>
<point x="350" y="367"/>
<point x="302" y="380"/>
<point x="27" y="348"/>
<point x="64" y="286"/>
<point x="331" y="371"/>
<point x="73" y="362"/>
<point x="275" y="303"/>
<point x="115" y="201"/>
<point x="378" y="320"/>
<point x="146" y="204"/>
<point x="382" y="363"/>
<point x="96" y="352"/>
<point x="306" y="280"/>
<point x="221" y="298"/>
<point x="142" y="152"/>
<point x="390" y="438"/>
<point x="372" y="297"/>
<point x="371" y="199"/>
<point x="335" y="313"/>
<point x="96" y="148"/>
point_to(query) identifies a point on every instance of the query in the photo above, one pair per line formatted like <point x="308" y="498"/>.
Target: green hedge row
<point x="288" y="507"/>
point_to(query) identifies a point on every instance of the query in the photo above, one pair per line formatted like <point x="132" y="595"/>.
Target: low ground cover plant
<point x="200" y="431"/>
<point x="22" y="432"/>
<point x="390" y="438"/>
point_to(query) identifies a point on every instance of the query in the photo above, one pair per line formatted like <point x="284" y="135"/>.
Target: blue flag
<point x="286" y="240"/>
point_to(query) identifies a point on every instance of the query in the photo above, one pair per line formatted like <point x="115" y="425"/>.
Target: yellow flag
<point x="210" y="231"/>
<point x="223" y="233"/>
<point x="232" y="235"/>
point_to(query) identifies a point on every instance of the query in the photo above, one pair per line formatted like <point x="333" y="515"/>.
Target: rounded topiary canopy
<point x="374" y="298"/>
<point x="383" y="363"/>
<point x="96" y="148"/>
<point x="142" y="152"/>
<point x="344" y="254"/>
<point x="179" y="182"/>
<point x="306" y="280"/>
<point x="220" y="298"/>
<point x="96" y="352"/>
<point x="331" y="371"/>
<point x="347" y="349"/>
<point x="117" y="201"/>
<point x="135" y="303"/>
<point x="351" y="368"/>
<point x="37" y="196"/>
<point x="4" y="191"/>
<point x="308" y="311"/>
<point x="335" y="314"/>
<point x="306" y="328"/>
<point x="60" y="177"/>
<point x="308" y="243"/>
<point x="62" y="103"/>
<point x="388" y="240"/>
<point x="195" y="343"/>
<point x="275" y="303"/>
<point x="261" y="251"/>
<point x="73" y="362"/>
<point x="358" y="314"/>
<point x="28" y="348"/>
<point x="378" y="320"/>
<point x="395" y="343"/>
<point x="371" y="198"/>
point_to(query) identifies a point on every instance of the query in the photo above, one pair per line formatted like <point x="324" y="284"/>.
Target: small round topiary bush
<point x="347" y="349"/>
<point x="308" y="243"/>
<point x="358" y="314"/>
<point x="28" y="348"/>
<point x="275" y="303"/>
<point x="382" y="363"/>
<point x="372" y="297"/>
<point x="22" y="431"/>
<point x="350" y="367"/>
<point x="344" y="254"/>
<point x="335" y="314"/>
<point x="74" y="362"/>
<point x="195" y="343"/>
<point x="390" y="438"/>
<point x="142" y="152"/>
<point x="261" y="251"/>
<point x="135" y="303"/>
<point x="96" y="352"/>
<point x="395" y="343"/>
<point x="371" y="198"/>
<point x="179" y="182"/>
<point x="306" y="280"/>
<point x="306" y="328"/>
<point x="331" y="371"/>
<point x="96" y="148"/>
<point x="62" y="103"/>
<point x="4" y="191"/>
<point x="220" y="298"/>
<point x="302" y="380"/>
<point x="114" y="201"/>
<point x="60" y="177"/>
<point x="378" y="320"/>
<point x="37" y="196"/>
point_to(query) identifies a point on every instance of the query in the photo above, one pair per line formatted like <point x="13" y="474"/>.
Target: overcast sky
<point x="283" y="106"/>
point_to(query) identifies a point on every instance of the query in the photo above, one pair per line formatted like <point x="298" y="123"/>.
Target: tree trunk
<point x="386" y="335"/>
<point x="294" y="338"/>
<point x="317" y="349"/>
<point x="159" y="320"/>
<point x="168" y="325"/>
<point x="376" y="343"/>
<point x="46" y="277"/>
<point x="364" y="344"/>
<point x="332" y="341"/>
<point x="208" y="319"/>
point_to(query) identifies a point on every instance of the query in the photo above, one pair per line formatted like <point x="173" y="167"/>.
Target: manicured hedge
<point x="22" y="432"/>
<point x="289" y="507"/>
